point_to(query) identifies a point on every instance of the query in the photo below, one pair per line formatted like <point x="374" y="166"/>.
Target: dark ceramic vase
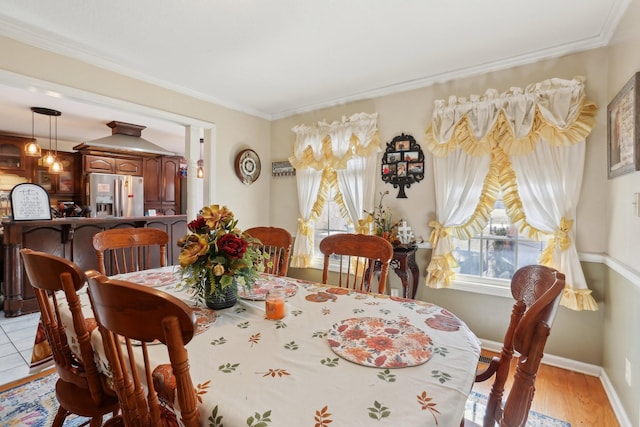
<point x="218" y="302"/>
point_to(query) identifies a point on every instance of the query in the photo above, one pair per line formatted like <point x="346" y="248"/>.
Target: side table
<point x="403" y="262"/>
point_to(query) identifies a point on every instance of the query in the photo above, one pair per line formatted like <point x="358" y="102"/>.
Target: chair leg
<point x="61" y="415"/>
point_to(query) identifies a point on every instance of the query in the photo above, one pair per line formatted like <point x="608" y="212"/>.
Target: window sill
<point x="318" y="264"/>
<point x="496" y="288"/>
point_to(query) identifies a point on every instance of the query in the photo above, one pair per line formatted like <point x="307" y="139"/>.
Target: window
<point x="498" y="251"/>
<point x="330" y="222"/>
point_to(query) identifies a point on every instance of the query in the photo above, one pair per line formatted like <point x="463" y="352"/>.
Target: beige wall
<point x="622" y="319"/>
<point x="623" y="62"/>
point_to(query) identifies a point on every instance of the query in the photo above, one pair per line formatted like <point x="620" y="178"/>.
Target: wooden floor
<point x="567" y="395"/>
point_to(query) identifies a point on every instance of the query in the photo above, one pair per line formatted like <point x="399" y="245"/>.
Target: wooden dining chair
<point x="81" y="389"/>
<point x="129" y="317"/>
<point x="357" y="255"/>
<point x="276" y="242"/>
<point x="537" y="290"/>
<point x="125" y="250"/>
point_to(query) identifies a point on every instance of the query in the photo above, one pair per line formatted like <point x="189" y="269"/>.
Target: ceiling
<point x="277" y="58"/>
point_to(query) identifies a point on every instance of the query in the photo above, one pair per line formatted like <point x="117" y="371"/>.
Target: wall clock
<point x="247" y="166"/>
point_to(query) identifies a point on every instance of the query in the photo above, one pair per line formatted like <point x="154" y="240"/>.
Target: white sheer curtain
<point x="530" y="145"/>
<point x="341" y="155"/>
<point x="308" y="143"/>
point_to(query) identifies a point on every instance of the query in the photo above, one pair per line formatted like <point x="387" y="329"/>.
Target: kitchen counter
<point x="70" y="238"/>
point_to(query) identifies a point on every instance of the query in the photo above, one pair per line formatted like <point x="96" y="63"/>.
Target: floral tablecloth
<point x="250" y="371"/>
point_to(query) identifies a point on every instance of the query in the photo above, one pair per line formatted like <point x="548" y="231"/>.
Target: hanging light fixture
<point x="56" y="166"/>
<point x="32" y="149"/>
<point x="200" y="170"/>
<point x="50" y="159"/>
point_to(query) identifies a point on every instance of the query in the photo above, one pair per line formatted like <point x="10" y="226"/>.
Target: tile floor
<point x="17" y="335"/>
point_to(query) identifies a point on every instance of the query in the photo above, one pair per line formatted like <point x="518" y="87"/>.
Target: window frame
<point x="492" y="285"/>
<point x="317" y="259"/>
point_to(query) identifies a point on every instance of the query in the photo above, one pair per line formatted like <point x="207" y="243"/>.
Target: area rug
<point x="476" y="406"/>
<point x="33" y="403"/>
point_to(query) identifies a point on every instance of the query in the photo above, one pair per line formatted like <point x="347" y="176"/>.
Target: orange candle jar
<point x="274" y="304"/>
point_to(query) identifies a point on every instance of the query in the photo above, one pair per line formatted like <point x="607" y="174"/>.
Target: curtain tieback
<point x="437" y="232"/>
<point x="304" y="228"/>
<point x="364" y="225"/>
<point x="561" y="235"/>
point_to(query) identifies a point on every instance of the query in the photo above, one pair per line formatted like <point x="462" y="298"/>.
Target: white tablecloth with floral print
<point x="250" y="371"/>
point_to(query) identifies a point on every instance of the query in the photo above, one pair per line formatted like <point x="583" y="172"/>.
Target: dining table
<point x="338" y="357"/>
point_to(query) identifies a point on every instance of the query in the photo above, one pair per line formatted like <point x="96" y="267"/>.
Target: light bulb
<point x="32" y="149"/>
<point x="56" y="167"/>
<point x="48" y="159"/>
<point x="200" y="172"/>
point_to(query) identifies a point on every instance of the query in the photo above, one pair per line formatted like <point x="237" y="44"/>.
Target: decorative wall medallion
<point x="402" y="163"/>
<point x="248" y="166"/>
<point x="283" y="168"/>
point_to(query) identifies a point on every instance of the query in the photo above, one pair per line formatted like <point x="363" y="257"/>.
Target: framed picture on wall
<point x="65" y="183"/>
<point x="623" y="124"/>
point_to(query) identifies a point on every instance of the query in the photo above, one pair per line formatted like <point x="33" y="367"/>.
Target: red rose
<point x="197" y="225"/>
<point x="232" y="246"/>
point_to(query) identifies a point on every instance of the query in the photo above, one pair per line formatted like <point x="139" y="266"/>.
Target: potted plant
<point x="383" y="224"/>
<point x="217" y="257"/>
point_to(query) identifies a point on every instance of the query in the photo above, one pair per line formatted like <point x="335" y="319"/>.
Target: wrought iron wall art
<point x="402" y="163"/>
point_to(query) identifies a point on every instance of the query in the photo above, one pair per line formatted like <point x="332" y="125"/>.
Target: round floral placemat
<point x="258" y="291"/>
<point x="151" y="278"/>
<point x="379" y="343"/>
<point x="205" y="317"/>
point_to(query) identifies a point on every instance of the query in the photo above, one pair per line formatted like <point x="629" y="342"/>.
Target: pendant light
<point x="56" y="166"/>
<point x="32" y="148"/>
<point x="49" y="158"/>
<point x="200" y="170"/>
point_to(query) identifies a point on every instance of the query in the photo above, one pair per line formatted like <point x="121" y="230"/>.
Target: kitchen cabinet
<point x="12" y="158"/>
<point x="129" y="166"/>
<point x="162" y="184"/>
<point x="64" y="184"/>
<point x="108" y="164"/>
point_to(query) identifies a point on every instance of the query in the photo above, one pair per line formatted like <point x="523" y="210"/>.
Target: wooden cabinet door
<point x="152" y="181"/>
<point x="129" y="166"/>
<point x="12" y="158"/>
<point x="63" y="184"/>
<point x="162" y="184"/>
<point x="67" y="181"/>
<point x="170" y="175"/>
<point x="100" y="164"/>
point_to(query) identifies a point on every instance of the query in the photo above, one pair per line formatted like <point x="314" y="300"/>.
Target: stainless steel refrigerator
<point x="115" y="195"/>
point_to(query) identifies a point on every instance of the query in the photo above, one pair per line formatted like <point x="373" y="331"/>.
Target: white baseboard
<point x="584" y="368"/>
<point x="618" y="409"/>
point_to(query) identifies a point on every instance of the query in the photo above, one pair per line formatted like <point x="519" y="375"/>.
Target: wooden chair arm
<point x="489" y="371"/>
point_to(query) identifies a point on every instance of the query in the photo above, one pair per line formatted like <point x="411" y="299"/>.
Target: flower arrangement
<point x="383" y="224"/>
<point x="217" y="252"/>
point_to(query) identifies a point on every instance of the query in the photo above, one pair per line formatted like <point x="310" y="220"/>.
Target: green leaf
<point x="387" y="376"/>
